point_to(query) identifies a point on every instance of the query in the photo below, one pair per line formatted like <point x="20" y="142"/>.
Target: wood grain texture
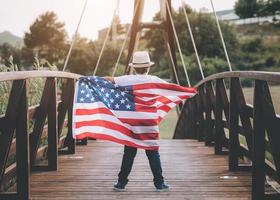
<point x="191" y="169"/>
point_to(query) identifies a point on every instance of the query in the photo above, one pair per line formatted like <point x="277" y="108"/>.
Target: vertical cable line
<point x="124" y="42"/>
<point x="74" y="37"/>
<point x="178" y="43"/>
<point x="221" y="35"/>
<point x="192" y="38"/>
<point x="104" y="43"/>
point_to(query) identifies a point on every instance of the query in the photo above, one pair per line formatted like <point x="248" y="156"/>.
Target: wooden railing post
<point x="16" y="119"/>
<point x="258" y="168"/>
<point x="209" y="107"/>
<point x="201" y="131"/>
<point x="234" y="145"/>
<point x="40" y="118"/>
<point x="218" y="136"/>
<point x="52" y="128"/>
<point x="70" y="142"/>
<point x="22" y="146"/>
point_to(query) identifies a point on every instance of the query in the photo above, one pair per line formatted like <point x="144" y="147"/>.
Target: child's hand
<point x="109" y="78"/>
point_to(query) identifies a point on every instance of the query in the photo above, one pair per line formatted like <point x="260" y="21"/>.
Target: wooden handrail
<point x="206" y="116"/>
<point x="255" y="75"/>
<point x="22" y="75"/>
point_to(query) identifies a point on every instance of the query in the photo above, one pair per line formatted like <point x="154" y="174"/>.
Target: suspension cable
<point x="221" y="35"/>
<point x="173" y="64"/>
<point x="124" y="42"/>
<point x="192" y="39"/>
<point x="74" y="37"/>
<point x="104" y="43"/>
<point x="178" y="44"/>
<point x="122" y="48"/>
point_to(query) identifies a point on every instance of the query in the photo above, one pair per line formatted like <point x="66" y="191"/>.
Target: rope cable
<point x="221" y="36"/>
<point x="192" y="39"/>
<point x="74" y="37"/>
<point x="178" y="44"/>
<point x="104" y="43"/>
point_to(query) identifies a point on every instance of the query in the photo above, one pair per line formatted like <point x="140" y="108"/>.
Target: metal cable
<point x="74" y="37"/>
<point x="178" y="44"/>
<point x="192" y="39"/>
<point x="221" y="35"/>
<point x="104" y="43"/>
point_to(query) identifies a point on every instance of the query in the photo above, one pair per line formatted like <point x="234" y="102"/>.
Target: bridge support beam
<point x="164" y="25"/>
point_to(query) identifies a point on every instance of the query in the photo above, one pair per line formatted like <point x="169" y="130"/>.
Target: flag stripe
<point x="118" y="134"/>
<point x="84" y="126"/>
<point x="102" y="136"/>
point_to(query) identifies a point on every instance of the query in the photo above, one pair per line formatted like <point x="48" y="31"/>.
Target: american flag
<point x="128" y="115"/>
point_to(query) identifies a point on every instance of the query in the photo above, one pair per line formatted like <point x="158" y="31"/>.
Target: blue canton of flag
<point x="94" y="89"/>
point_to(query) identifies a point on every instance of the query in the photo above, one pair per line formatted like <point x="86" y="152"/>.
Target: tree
<point x="207" y="40"/>
<point x="246" y="8"/>
<point x="8" y="52"/>
<point x="85" y="54"/>
<point x="47" y="38"/>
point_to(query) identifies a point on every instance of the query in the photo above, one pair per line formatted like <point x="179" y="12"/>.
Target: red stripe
<point x="93" y="111"/>
<point x="120" y="128"/>
<point x="113" y="139"/>
<point x="165" y="108"/>
<point x="167" y="86"/>
<point x="143" y="108"/>
<point x="140" y="122"/>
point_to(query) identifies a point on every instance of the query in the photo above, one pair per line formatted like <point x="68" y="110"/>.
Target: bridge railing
<point x="29" y="134"/>
<point x="249" y="134"/>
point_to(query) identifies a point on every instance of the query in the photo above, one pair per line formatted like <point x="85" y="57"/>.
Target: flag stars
<point x="82" y="91"/>
<point x="112" y="100"/>
<point x="107" y="94"/>
<point x="102" y="89"/>
<point x="122" y="93"/>
<point x="128" y="106"/>
<point x="122" y="101"/>
<point x="82" y="99"/>
<point x="117" y="106"/>
<point x="117" y="95"/>
<point x="88" y="95"/>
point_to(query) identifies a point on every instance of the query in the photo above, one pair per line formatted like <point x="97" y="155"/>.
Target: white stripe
<point x="116" y="134"/>
<point x="119" y="113"/>
<point x="164" y="92"/>
<point x="110" y="118"/>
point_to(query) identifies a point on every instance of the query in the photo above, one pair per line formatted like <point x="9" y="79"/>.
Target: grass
<point x="168" y="124"/>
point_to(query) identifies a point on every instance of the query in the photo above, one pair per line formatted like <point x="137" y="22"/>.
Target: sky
<point x="17" y="15"/>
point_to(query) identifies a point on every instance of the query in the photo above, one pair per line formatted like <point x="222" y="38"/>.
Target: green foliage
<point x="246" y="8"/>
<point x="252" y="8"/>
<point x="7" y="52"/>
<point x="47" y="37"/>
<point x="207" y="40"/>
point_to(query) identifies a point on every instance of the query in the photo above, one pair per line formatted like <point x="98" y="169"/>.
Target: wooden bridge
<point x="222" y="147"/>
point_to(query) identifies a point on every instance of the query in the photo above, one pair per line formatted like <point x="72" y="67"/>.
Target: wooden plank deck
<point x="191" y="169"/>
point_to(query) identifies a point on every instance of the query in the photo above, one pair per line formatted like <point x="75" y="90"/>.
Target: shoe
<point x="119" y="187"/>
<point x="162" y="188"/>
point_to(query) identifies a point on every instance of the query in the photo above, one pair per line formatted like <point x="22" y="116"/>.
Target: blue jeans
<point x="127" y="162"/>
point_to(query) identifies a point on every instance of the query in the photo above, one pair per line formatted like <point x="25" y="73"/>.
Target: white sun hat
<point x="141" y="59"/>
